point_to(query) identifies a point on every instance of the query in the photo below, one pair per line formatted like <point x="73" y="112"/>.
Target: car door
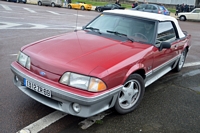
<point x="149" y="8"/>
<point x="108" y="7"/>
<point x="165" y="58"/>
<point x="195" y="14"/>
<point x="141" y="7"/>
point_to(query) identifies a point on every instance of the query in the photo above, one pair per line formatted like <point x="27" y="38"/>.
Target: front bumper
<point x="61" y="99"/>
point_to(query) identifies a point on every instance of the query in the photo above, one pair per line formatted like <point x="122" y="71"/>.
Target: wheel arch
<point x="138" y="69"/>
<point x="184" y="17"/>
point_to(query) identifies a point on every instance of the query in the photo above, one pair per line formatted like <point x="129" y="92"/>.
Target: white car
<point x="193" y="15"/>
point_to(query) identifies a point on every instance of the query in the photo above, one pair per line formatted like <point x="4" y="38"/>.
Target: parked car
<point x="108" y="7"/>
<point x="52" y="3"/>
<point x="78" y="5"/>
<point x="193" y="15"/>
<point x="154" y="8"/>
<point x="105" y="65"/>
<point x="17" y="1"/>
<point x="165" y="10"/>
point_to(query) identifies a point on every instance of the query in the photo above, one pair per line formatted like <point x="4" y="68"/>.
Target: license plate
<point x="37" y="88"/>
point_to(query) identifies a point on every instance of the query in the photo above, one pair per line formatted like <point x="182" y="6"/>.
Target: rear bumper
<point x="62" y="100"/>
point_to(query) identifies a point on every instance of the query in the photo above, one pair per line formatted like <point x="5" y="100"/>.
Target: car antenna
<point x="76" y="21"/>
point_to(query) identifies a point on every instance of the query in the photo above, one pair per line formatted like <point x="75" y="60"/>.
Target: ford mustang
<point x="107" y="64"/>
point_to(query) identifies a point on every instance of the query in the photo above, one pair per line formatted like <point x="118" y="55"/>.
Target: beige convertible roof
<point x="153" y="16"/>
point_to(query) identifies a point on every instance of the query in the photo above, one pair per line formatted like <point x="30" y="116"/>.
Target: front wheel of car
<point x="98" y="9"/>
<point x="7" y="0"/>
<point x="17" y="1"/>
<point x="131" y="94"/>
<point x="182" y="18"/>
<point x="39" y="3"/>
<point x="181" y="61"/>
<point x="82" y="8"/>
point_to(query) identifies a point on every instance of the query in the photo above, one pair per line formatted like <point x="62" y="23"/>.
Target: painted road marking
<point x="43" y="122"/>
<point x="29" y="10"/>
<point x="6" y="7"/>
<point x="54" y="12"/>
<point x="8" y="25"/>
<point x="38" y="26"/>
<point x="191" y="64"/>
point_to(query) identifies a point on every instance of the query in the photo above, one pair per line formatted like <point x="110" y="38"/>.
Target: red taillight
<point x="159" y="12"/>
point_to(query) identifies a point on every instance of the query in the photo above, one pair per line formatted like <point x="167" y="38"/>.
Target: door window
<point x="165" y="33"/>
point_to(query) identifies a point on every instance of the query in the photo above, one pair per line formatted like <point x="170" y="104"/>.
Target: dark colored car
<point x="108" y="7"/>
<point x="17" y="1"/>
<point x="154" y="8"/>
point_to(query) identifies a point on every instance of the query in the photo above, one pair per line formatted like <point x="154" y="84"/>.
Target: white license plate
<point x="37" y="88"/>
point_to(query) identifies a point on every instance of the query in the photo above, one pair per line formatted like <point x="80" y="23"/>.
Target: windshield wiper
<point x="93" y="29"/>
<point x="118" y="33"/>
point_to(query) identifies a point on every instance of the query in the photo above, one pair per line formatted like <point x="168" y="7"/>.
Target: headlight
<point x="24" y="60"/>
<point x="83" y="82"/>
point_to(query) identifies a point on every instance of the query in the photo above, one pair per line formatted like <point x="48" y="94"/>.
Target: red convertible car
<point x="105" y="65"/>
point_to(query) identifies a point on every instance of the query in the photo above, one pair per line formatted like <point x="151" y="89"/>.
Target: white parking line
<point x="43" y="122"/>
<point x="54" y="12"/>
<point x="6" y="7"/>
<point x="191" y="64"/>
<point x="29" y="10"/>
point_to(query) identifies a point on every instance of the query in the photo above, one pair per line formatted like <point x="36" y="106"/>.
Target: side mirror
<point x="163" y="45"/>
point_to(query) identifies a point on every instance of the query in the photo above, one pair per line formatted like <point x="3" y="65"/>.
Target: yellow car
<point x="81" y="6"/>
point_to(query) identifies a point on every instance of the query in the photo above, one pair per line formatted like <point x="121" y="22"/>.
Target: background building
<point x="173" y="2"/>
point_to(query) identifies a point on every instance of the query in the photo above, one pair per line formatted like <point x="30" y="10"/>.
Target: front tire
<point x="98" y="9"/>
<point x="182" y="18"/>
<point x="131" y="94"/>
<point x="181" y="61"/>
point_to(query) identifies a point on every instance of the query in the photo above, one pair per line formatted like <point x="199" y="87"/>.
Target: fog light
<point x="16" y="78"/>
<point x="76" y="107"/>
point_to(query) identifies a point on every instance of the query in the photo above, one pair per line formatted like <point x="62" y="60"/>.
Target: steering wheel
<point x="140" y="35"/>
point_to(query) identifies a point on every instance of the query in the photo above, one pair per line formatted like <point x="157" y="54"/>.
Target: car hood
<point x="80" y="52"/>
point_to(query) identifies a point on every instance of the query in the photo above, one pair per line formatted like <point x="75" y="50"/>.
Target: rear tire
<point x="131" y="94"/>
<point x="82" y="8"/>
<point x="69" y="6"/>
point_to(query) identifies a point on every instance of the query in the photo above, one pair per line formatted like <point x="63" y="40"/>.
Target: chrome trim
<point x="156" y="75"/>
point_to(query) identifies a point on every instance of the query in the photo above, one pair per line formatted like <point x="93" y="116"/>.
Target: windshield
<point x="136" y="28"/>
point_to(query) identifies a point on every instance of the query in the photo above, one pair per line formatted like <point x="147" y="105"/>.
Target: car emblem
<point x="42" y="73"/>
